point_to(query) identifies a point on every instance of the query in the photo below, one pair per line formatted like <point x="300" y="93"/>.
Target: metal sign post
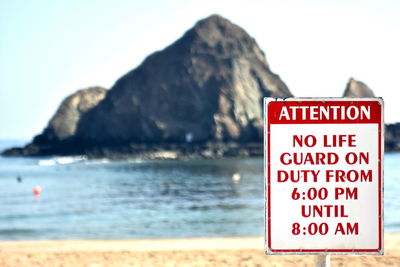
<point x="322" y="261"/>
<point x="324" y="176"/>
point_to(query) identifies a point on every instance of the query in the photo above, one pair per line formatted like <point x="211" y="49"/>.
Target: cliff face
<point x="207" y="86"/>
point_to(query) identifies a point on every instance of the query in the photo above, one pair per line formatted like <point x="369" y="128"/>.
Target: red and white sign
<point x="324" y="176"/>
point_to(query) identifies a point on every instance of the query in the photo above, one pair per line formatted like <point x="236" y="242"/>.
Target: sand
<point x="175" y="252"/>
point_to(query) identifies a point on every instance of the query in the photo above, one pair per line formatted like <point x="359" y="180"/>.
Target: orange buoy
<point x="36" y="190"/>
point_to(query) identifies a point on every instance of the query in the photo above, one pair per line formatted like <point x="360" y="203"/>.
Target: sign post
<point x="323" y="176"/>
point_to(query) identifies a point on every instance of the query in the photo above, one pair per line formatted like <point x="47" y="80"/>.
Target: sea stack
<point x="63" y="125"/>
<point x="206" y="87"/>
<point x="392" y="131"/>
<point x="356" y="88"/>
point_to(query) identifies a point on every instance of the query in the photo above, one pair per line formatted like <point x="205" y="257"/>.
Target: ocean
<point x="146" y="199"/>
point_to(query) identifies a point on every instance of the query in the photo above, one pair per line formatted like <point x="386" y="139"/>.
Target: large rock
<point x="64" y="123"/>
<point x="356" y="88"/>
<point x="207" y="86"/>
<point x="392" y="137"/>
<point x="392" y="131"/>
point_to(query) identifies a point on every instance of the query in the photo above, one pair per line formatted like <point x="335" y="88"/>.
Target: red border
<point x="268" y="186"/>
<point x="275" y="106"/>
<point x="377" y="117"/>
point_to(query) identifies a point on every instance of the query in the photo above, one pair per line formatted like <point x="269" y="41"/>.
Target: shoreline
<point x="235" y="251"/>
<point x="210" y="150"/>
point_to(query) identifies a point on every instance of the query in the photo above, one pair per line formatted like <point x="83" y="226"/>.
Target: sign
<point x="324" y="176"/>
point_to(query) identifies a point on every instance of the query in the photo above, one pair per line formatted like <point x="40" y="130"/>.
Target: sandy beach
<point x="173" y="252"/>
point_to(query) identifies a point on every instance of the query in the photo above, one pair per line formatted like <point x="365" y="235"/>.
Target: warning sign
<point x="324" y="176"/>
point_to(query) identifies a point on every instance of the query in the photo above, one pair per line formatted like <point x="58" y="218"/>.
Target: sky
<point x="50" y="49"/>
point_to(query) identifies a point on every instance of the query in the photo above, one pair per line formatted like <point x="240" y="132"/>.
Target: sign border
<point x="267" y="169"/>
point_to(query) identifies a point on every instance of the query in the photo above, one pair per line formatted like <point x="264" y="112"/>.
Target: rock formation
<point x="206" y="87"/>
<point x="356" y="88"/>
<point x="201" y="95"/>
<point x="392" y="137"/>
<point x="63" y="125"/>
<point x="392" y="131"/>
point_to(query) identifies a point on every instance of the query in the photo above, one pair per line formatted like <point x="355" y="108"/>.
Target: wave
<point x="98" y="161"/>
<point x="84" y="159"/>
<point x="106" y="160"/>
<point x="61" y="160"/>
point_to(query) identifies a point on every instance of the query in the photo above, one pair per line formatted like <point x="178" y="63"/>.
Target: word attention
<point x="327" y="113"/>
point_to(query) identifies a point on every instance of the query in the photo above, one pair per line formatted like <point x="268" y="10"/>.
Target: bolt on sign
<point x="323" y="175"/>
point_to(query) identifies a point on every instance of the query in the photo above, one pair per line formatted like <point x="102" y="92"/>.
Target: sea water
<point x="102" y="199"/>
